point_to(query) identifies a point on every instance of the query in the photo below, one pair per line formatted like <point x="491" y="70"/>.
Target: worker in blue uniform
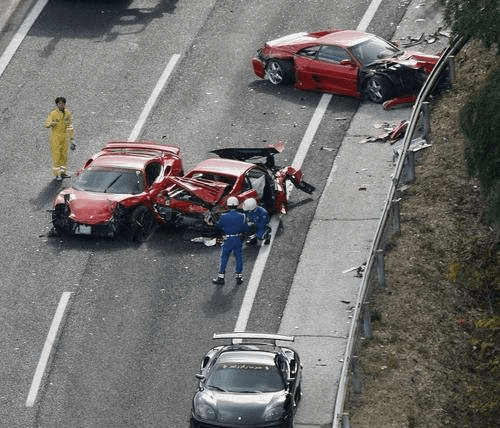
<point x="258" y="220"/>
<point x="233" y="225"/>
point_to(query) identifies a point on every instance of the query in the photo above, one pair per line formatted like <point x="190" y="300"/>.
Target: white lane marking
<point x="52" y="335"/>
<point x="260" y="262"/>
<point x="369" y="14"/>
<point x="154" y="97"/>
<point x="21" y="34"/>
<point x="47" y="349"/>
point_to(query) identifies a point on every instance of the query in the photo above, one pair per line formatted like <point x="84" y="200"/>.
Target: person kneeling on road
<point x="233" y="225"/>
<point x="258" y="220"/>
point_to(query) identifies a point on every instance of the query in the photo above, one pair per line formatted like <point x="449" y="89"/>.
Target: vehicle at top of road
<point x="115" y="190"/>
<point x="199" y="197"/>
<point x="251" y="382"/>
<point x="343" y="62"/>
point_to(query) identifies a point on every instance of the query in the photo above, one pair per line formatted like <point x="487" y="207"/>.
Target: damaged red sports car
<point x="343" y="62"/>
<point x="199" y="197"/>
<point x="115" y="190"/>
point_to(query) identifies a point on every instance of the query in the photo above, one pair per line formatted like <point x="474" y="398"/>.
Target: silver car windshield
<point x="242" y="377"/>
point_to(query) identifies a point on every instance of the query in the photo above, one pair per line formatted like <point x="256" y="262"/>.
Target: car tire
<point x="279" y="72"/>
<point x="378" y="89"/>
<point x="141" y="225"/>
<point x="60" y="219"/>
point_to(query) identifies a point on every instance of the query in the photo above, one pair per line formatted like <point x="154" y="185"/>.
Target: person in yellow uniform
<point x="60" y="121"/>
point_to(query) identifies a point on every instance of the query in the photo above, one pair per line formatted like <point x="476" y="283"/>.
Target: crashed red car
<point x="115" y="190"/>
<point x="344" y="62"/>
<point x="200" y="196"/>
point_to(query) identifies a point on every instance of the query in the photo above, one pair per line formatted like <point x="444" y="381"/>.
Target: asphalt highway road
<point x="140" y="317"/>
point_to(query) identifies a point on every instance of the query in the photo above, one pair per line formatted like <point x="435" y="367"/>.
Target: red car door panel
<point x="332" y="70"/>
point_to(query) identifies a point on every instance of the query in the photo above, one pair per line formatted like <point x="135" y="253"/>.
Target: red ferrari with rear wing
<point x="344" y="62"/>
<point x="114" y="192"/>
<point x="200" y="196"/>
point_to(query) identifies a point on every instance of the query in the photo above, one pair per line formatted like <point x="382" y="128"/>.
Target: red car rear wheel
<point x="279" y="72"/>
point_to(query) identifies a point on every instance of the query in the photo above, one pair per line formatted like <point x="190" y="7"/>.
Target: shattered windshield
<point x="372" y="50"/>
<point x="119" y="181"/>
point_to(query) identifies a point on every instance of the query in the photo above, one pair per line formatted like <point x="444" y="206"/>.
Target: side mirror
<point x="347" y="62"/>
<point x="199" y="376"/>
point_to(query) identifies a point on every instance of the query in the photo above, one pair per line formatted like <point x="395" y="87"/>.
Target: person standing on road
<point x="60" y="121"/>
<point x="233" y="225"/>
<point x="258" y="220"/>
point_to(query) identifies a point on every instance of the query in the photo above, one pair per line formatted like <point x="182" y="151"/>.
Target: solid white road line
<point x="21" y="34"/>
<point x="47" y="349"/>
<point x="154" y="97"/>
<point x="264" y="250"/>
<point x="260" y="262"/>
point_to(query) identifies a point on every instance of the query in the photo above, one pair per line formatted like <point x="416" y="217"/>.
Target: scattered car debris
<point x="391" y="135"/>
<point x="423" y="38"/>
<point x="359" y="271"/>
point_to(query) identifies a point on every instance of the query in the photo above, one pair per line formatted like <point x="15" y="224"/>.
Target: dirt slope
<point x="429" y="364"/>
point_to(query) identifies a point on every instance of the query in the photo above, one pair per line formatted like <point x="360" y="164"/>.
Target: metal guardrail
<point x="374" y="265"/>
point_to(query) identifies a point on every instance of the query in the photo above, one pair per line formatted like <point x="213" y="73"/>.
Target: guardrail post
<point x="367" y="322"/>
<point x="426" y="116"/>
<point x="380" y="268"/>
<point x="396" y="216"/>
<point x="356" y="380"/>
<point x="409" y="167"/>
<point x="451" y="68"/>
<point x="345" y="421"/>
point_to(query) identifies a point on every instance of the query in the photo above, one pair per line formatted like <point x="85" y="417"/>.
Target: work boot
<point x="251" y="241"/>
<point x="219" y="280"/>
<point x="239" y="279"/>
<point x="267" y="241"/>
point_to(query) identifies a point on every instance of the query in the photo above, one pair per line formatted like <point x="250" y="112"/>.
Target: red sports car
<point x="115" y="191"/>
<point x="200" y="196"/>
<point x="343" y="62"/>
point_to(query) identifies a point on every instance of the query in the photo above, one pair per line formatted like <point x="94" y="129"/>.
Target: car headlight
<point x="204" y="409"/>
<point x="274" y="411"/>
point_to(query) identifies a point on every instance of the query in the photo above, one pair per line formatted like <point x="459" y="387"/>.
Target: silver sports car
<point x="251" y="382"/>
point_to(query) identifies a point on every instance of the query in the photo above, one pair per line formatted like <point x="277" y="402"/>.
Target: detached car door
<point x="332" y="70"/>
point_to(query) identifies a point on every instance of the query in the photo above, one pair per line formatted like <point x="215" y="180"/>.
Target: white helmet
<point x="232" y="201"/>
<point x="249" y="204"/>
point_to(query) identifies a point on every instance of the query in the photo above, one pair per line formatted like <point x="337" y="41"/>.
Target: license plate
<point x="83" y="229"/>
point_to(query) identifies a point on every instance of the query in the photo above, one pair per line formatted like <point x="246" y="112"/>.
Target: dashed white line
<point x="21" y="34"/>
<point x="154" y="97"/>
<point x="47" y="349"/>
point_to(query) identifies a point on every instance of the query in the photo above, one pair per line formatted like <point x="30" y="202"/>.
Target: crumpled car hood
<point x="209" y="192"/>
<point x="92" y="208"/>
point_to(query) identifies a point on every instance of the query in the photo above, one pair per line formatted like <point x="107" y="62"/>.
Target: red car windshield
<point x="118" y="181"/>
<point x="373" y="50"/>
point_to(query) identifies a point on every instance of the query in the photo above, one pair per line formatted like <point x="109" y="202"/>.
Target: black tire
<point x="60" y="220"/>
<point x="141" y="225"/>
<point x="378" y="89"/>
<point x="279" y="72"/>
